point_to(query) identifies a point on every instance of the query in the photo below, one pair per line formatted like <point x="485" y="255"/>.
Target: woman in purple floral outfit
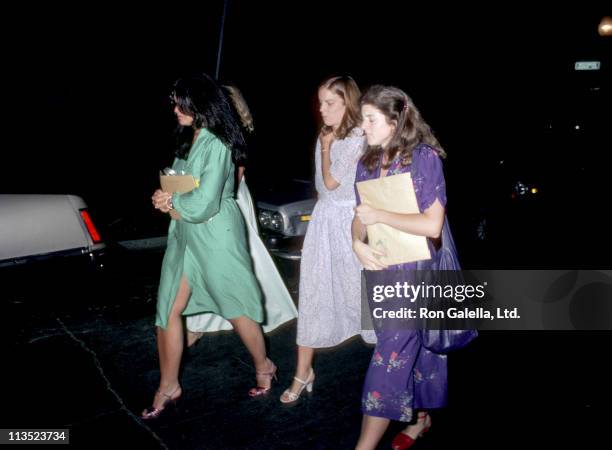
<point x="403" y="376"/>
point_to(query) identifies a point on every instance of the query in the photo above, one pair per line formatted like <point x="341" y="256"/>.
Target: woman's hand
<point x="161" y="200"/>
<point x="367" y="215"/>
<point x="367" y="256"/>
<point x="326" y="141"/>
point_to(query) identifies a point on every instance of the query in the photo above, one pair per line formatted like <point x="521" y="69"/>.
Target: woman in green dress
<point x="206" y="267"/>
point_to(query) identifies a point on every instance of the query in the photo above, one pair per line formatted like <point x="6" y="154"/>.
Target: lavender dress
<point x="403" y="375"/>
<point x="330" y="274"/>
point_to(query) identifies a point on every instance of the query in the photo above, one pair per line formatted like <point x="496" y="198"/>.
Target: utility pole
<point x="225" y="2"/>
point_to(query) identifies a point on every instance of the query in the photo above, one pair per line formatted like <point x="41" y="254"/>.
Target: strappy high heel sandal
<point x="259" y="390"/>
<point x="154" y="413"/>
<point x="289" y="397"/>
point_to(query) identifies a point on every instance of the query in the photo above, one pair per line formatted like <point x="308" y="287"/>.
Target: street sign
<point x="587" y="65"/>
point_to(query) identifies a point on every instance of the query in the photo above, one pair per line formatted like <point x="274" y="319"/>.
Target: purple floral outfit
<point x="403" y="375"/>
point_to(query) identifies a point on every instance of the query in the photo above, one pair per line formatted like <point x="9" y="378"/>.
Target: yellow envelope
<point x="396" y="194"/>
<point x="177" y="183"/>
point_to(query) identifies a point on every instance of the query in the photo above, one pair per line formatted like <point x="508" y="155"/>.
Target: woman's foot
<point x="300" y="383"/>
<point x="264" y="376"/>
<point x="163" y="397"/>
<point x="193" y="337"/>
<point x="408" y="436"/>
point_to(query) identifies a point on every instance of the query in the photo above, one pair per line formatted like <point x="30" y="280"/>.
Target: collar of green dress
<point x="203" y="133"/>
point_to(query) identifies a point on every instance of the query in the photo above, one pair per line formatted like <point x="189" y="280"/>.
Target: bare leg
<point x="170" y="347"/>
<point x="372" y="430"/>
<point x="252" y="337"/>
<point x="304" y="366"/>
<point x="193" y="337"/>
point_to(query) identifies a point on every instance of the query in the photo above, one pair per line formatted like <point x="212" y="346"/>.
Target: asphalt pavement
<point x="82" y="356"/>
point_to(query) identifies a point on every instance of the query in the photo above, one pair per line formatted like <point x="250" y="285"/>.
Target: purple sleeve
<point x="432" y="184"/>
<point x="357" y="179"/>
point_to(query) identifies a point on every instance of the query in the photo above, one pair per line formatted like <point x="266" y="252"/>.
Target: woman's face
<point x="183" y="119"/>
<point x="377" y="130"/>
<point x="331" y="107"/>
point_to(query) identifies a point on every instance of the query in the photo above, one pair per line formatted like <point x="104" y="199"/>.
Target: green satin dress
<point x="209" y="244"/>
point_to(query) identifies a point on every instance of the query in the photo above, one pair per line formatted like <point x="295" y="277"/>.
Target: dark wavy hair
<point x="346" y="88"/>
<point x="410" y="128"/>
<point x="203" y="99"/>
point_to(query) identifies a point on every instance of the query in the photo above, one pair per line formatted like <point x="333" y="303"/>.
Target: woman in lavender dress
<point x="329" y="299"/>
<point x="403" y="377"/>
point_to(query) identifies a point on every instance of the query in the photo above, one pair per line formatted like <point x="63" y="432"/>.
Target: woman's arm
<point x="358" y="230"/>
<point x="202" y="203"/>
<point x="326" y="141"/>
<point x="367" y="256"/>
<point x="330" y="182"/>
<point x="428" y="223"/>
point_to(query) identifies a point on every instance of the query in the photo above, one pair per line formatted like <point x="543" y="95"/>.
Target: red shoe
<point x="402" y="441"/>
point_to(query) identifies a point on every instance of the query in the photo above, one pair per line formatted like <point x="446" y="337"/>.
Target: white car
<point x="284" y="213"/>
<point x="43" y="227"/>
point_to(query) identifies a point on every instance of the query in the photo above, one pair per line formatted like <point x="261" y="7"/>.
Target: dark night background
<point x="90" y="114"/>
<point x="87" y="113"/>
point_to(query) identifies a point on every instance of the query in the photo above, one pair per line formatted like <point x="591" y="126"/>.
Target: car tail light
<point x="91" y="228"/>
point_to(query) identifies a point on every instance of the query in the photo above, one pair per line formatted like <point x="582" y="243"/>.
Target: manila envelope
<point x="396" y="194"/>
<point x="177" y="183"/>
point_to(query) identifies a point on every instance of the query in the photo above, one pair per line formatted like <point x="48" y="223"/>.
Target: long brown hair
<point x="346" y="88"/>
<point x="410" y="128"/>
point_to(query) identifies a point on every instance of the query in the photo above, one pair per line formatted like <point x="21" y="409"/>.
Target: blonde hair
<point x="241" y="107"/>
